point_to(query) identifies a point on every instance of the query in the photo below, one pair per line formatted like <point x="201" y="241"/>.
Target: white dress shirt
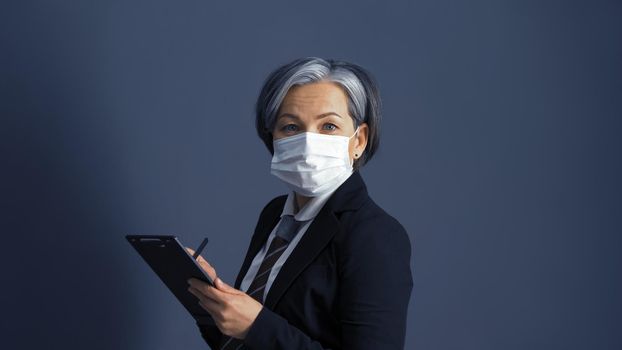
<point x="306" y="214"/>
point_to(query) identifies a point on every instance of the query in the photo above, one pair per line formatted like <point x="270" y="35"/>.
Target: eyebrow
<point x="323" y="115"/>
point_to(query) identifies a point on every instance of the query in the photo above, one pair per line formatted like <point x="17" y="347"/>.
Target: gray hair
<point x="357" y="83"/>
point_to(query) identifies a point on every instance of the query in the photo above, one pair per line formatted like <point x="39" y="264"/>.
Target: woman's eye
<point x="330" y="127"/>
<point x="290" y="128"/>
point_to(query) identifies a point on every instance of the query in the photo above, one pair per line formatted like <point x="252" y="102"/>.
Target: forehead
<point x="315" y="97"/>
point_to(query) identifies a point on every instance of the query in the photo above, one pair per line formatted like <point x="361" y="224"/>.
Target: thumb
<point x="224" y="287"/>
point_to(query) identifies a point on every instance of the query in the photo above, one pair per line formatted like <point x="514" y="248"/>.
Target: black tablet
<point x="174" y="265"/>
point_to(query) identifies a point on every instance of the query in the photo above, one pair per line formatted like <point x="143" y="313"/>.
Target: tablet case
<point x="174" y="265"/>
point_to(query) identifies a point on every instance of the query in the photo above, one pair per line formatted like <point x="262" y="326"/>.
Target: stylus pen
<point x="200" y="248"/>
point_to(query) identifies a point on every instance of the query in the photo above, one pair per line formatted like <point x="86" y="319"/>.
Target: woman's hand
<point x="211" y="272"/>
<point x="233" y="310"/>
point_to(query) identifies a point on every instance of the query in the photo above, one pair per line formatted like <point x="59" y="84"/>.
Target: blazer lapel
<point x="265" y="225"/>
<point x="349" y="196"/>
<point x="318" y="235"/>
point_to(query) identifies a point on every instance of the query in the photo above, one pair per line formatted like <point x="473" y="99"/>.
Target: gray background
<point x="500" y="155"/>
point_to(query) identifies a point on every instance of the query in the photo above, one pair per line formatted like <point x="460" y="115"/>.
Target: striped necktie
<point x="284" y="233"/>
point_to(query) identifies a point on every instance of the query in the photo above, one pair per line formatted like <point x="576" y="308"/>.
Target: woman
<point x="326" y="268"/>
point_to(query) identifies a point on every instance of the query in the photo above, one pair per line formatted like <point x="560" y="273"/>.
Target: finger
<point x="216" y="294"/>
<point x="196" y="293"/>
<point x="201" y="295"/>
<point x="208" y="290"/>
<point x="199" y="285"/>
<point x="199" y="258"/>
<point x="221" y="285"/>
<point x="211" y="305"/>
<point x="211" y="272"/>
<point x="214" y="305"/>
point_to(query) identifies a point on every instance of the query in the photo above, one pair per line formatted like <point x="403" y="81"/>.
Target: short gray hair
<point x="358" y="84"/>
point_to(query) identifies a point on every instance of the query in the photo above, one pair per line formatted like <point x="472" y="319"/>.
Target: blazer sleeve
<point x="375" y="287"/>
<point x="271" y="331"/>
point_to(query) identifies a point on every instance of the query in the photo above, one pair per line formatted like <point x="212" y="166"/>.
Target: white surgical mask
<point x="312" y="164"/>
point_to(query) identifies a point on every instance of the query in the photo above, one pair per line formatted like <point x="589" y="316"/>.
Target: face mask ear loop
<point x="355" y="131"/>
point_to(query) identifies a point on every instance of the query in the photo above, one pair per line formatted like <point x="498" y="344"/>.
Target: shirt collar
<point x="309" y="210"/>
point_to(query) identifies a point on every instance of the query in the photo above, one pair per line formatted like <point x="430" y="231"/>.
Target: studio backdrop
<point x="500" y="155"/>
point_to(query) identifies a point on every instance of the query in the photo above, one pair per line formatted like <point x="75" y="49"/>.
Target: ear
<point x="360" y="140"/>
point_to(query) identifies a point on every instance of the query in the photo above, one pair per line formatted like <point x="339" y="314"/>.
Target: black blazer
<point x="346" y="285"/>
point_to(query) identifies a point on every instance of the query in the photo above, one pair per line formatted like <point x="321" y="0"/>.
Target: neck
<point x="300" y="201"/>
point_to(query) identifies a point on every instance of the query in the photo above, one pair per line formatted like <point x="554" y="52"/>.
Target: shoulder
<point x="371" y="214"/>
<point x="371" y="227"/>
<point x="271" y="211"/>
<point x="372" y="242"/>
<point x="274" y="205"/>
